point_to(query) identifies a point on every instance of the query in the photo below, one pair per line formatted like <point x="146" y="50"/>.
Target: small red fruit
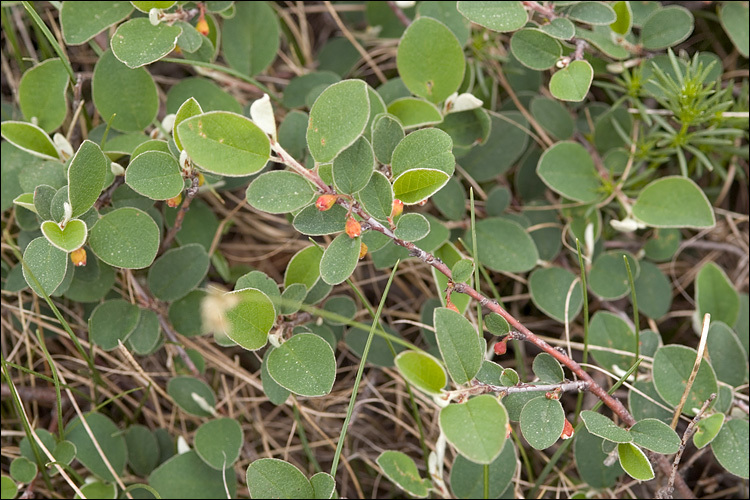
<point x="173" y="202"/>
<point x="452" y="307"/>
<point x="353" y="228"/>
<point x="362" y="250"/>
<point x="398" y="208"/>
<point x="501" y="347"/>
<point x="567" y="432"/>
<point x="325" y="202"/>
<point x="78" y="257"/>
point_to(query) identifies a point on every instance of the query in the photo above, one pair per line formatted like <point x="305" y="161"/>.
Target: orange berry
<point x="202" y="26"/>
<point x="567" y="432"/>
<point x="325" y="202"/>
<point x="78" y="257"/>
<point x="398" y="208"/>
<point x="362" y="250"/>
<point x="173" y="202"/>
<point x="452" y="307"/>
<point x="508" y="430"/>
<point x="353" y="228"/>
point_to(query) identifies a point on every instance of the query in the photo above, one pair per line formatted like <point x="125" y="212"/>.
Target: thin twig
<point x="399" y="13"/>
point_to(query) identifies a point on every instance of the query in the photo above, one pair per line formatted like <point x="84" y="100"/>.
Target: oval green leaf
<point x="46" y="263"/>
<point x="422" y="371"/>
<point x="279" y="192"/>
<point x="634" y="462"/>
<point x="503" y="245"/>
<point x="304" y="364"/>
<point x="30" y="138"/>
<point x="730" y="447"/>
<point x="225" y="143"/>
<point x="250" y="39"/>
<point x="71" y="237"/>
<point x="674" y="202"/>
<point x="155" y="175"/>
<point x="107" y="333"/>
<point x="497" y="16"/>
<point x="476" y="428"/>
<point x="666" y="27"/>
<point x="353" y="167"/>
<point x="567" y="169"/>
<point x="414" y="112"/>
<point x="459" y="344"/>
<point x="402" y="471"/>
<point x="192" y="395"/>
<point x="109" y="440"/>
<point x="177" y="272"/>
<point x="42" y="94"/>
<point x="274" y="478"/>
<point x="550" y="290"/>
<point x="599" y="425"/>
<point x="339" y="259"/>
<point x="672" y="367"/>
<point x="250" y="319"/>
<point x="126" y="237"/>
<point x="137" y="42"/>
<point x="573" y="82"/>
<point x="655" y="435"/>
<point x="542" y="421"/>
<point x="218" y="442"/>
<point x="535" y="49"/>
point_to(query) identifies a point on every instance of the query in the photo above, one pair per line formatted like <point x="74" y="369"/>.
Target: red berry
<point x="202" y="26"/>
<point x="353" y="228"/>
<point x="501" y="347"/>
<point x="325" y="202"/>
<point x="173" y="202"/>
<point x="398" y="208"/>
<point x="567" y="432"/>
<point x="452" y="307"/>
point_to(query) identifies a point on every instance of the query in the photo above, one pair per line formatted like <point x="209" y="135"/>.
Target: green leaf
<point x="250" y="39"/>
<point x="275" y="393"/>
<point x="126" y="96"/>
<point x="188" y="109"/>
<point x="497" y="16"/>
<point x="422" y="370"/>
<point x="47" y="263"/>
<point x="23" y="470"/>
<point x="430" y="60"/>
<point x="715" y="295"/>
<point x="225" y="143"/>
<point x="666" y="27"/>
<point x="155" y="175"/>
<point x="218" y="442"/>
<point x="279" y="192"/>
<point x="299" y="87"/>
<point x="462" y="270"/>
<point x="730" y="447"/>
<point x="339" y="259"/>
<point x="553" y="116"/>
<point x="496" y="324"/>
<point x="503" y="245"/>
<point x="192" y="395"/>
<point x="548" y="369"/>
<point x="144" y="339"/>
<point x="467" y="128"/>
<point x="595" y="13"/>
<point x="560" y="28"/>
<point x="476" y="428"/>
<point x="590" y="461"/>
<point x="185" y="475"/>
<point x="30" y="138"/>
<point x="274" y="478"/>
<point x="377" y="197"/>
<point x="125" y="237"/>
<point x="401" y="470"/>
<point x="337" y="118"/>
<point x="143" y="449"/>
<point x="109" y="440"/>
<point x="727" y="354"/>
<point x="177" y="272"/>
<point x="105" y="332"/>
<point x="42" y="199"/>
<point x="672" y="367"/>
<point x="412" y="227"/>
<point x="656" y="436"/>
<point x="542" y="422"/>
<point x="459" y="344"/>
<point x="674" y="202"/>
<point x="304" y="267"/>
<point x="599" y="425"/>
<point x="81" y="21"/>
<point x="603" y="39"/>
<point x="505" y="145"/>
<point x="634" y="462"/>
<point x="608" y="277"/>
<point x="467" y="478"/>
<point x="189" y="40"/>
<point x="707" y="429"/>
<point x="414" y="112"/>
<point x="250" y="319"/>
<point x="415" y="186"/>
<point x="550" y="288"/>
<point x="70" y="238"/>
<point x="567" y="169"/>
<point x="324" y="485"/>
<point x="304" y="364"/>
<point x="137" y="42"/>
<point x="291" y="298"/>
<point x="42" y="94"/>
<point x="86" y="177"/>
<point x="387" y="132"/>
<point x="145" y="7"/>
<point x="424" y="149"/>
<point x="314" y="222"/>
<point x="353" y="167"/>
<point x="624" y="18"/>
<point x="9" y="487"/>
<point x="653" y="291"/>
<point x="572" y="83"/>
<point x="611" y="332"/>
<point x="734" y="19"/>
<point x="535" y="49"/>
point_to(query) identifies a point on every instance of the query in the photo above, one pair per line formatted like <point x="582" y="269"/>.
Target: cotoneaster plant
<point x="556" y="152"/>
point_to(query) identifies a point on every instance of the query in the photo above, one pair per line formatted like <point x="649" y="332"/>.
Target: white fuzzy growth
<point x="182" y="445"/>
<point x="168" y="122"/>
<point x="627" y="225"/>
<point x="153" y="16"/>
<point x="406" y="5"/>
<point x="201" y="401"/>
<point x="116" y="169"/>
<point x="68" y="210"/>
<point x="261" y="113"/>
